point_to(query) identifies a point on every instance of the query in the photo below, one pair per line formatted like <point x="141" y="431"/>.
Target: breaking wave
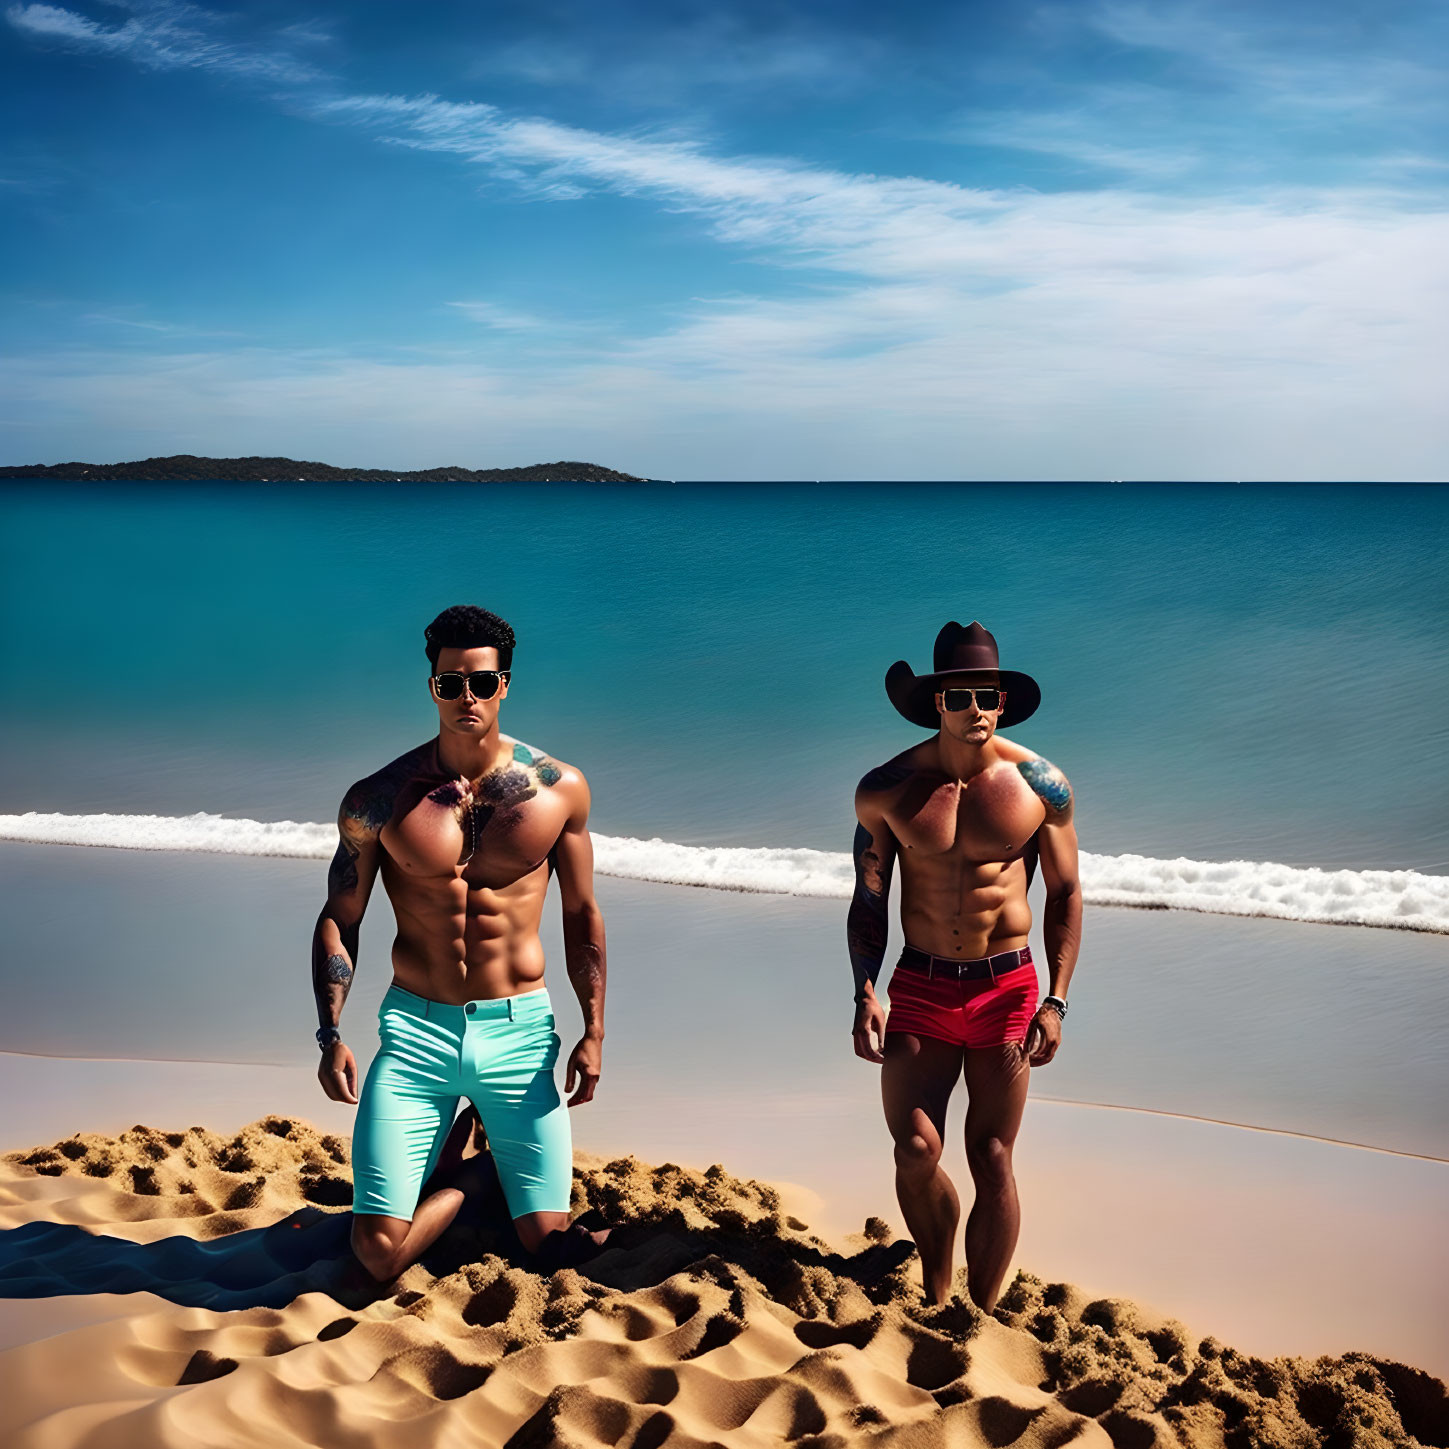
<point x="1405" y="899"/>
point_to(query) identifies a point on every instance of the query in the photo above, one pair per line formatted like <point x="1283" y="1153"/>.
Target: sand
<point x="719" y="1318"/>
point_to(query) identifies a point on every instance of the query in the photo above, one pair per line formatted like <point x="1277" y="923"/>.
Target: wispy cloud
<point x="307" y="32"/>
<point x="691" y="55"/>
<point x="858" y="223"/>
<point x="163" y="36"/>
<point x="108" y="320"/>
<point x="502" y="319"/>
<point x="1315" y="61"/>
<point x="131" y="319"/>
<point x="760" y="405"/>
<point x="1219" y="97"/>
<point x="1080" y="136"/>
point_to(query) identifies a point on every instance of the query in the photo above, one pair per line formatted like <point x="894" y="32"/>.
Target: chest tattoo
<point x="506" y="788"/>
<point x="503" y="793"/>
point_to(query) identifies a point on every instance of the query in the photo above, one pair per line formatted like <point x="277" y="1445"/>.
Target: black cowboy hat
<point x="959" y="651"/>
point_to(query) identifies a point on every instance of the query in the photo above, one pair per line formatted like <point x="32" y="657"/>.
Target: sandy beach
<point x="158" y="1255"/>
<point x="720" y="1317"/>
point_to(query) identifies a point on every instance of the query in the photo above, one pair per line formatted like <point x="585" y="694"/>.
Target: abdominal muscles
<point x="964" y="909"/>
<point x="457" y="942"/>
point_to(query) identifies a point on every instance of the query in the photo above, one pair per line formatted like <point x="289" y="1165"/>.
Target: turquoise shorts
<point x="500" y="1055"/>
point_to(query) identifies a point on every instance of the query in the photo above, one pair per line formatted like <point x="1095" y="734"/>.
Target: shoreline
<point x="205" y="1062"/>
<point x="1162" y="995"/>
<point x="1368" y="897"/>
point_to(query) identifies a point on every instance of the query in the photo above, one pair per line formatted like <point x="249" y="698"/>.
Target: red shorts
<point x="983" y="1013"/>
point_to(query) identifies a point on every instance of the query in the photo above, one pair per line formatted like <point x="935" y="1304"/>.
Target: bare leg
<point x="465" y="1144"/>
<point x="386" y="1245"/>
<point x="533" y="1228"/>
<point x="996" y="1080"/>
<point x="557" y="1241"/>
<point x="465" y="1141"/>
<point x="916" y="1083"/>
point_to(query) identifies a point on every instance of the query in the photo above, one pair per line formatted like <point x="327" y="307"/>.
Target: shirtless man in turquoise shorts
<point x="465" y="830"/>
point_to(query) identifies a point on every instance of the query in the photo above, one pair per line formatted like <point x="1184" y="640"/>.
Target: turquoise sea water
<point x="1227" y="671"/>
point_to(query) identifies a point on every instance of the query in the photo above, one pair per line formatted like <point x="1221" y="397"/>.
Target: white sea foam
<point x="1406" y="899"/>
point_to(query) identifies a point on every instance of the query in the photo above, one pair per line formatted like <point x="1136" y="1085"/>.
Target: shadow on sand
<point x="308" y="1251"/>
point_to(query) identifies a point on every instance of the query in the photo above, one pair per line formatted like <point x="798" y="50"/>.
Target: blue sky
<point x="1079" y="240"/>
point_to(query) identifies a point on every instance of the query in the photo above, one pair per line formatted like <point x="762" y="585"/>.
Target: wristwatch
<point x="328" y="1036"/>
<point x="1057" y="1004"/>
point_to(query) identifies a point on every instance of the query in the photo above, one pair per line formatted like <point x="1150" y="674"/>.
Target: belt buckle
<point x="991" y="967"/>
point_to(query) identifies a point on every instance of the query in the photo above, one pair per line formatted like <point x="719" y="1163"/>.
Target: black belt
<point x="986" y="966"/>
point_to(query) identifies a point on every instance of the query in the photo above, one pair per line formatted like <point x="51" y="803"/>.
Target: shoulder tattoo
<point x="368" y="807"/>
<point x="547" y="771"/>
<point x="1049" y="784"/>
<point x="887" y="776"/>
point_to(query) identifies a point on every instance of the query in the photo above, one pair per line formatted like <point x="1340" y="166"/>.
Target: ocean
<point x="1229" y="672"/>
<point x="1247" y="686"/>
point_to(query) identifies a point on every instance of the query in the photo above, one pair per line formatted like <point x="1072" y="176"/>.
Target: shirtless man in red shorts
<point x="968" y="814"/>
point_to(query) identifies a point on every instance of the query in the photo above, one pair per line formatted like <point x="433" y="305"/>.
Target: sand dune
<point x="717" y="1319"/>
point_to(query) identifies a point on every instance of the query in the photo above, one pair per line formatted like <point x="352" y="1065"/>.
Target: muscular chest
<point x="504" y="833"/>
<point x="988" y="818"/>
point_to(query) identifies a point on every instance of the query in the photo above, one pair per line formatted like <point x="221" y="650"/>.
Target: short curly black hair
<point x="465" y="626"/>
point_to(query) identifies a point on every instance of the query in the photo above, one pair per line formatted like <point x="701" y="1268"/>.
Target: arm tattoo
<point x="586" y="967"/>
<point x="871" y="878"/>
<point x="331" y="981"/>
<point x="342" y="873"/>
<point x="587" y="976"/>
<point x="866" y="927"/>
<point x="1049" y="783"/>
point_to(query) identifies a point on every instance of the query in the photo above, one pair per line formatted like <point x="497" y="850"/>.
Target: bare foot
<point x="569" y="1247"/>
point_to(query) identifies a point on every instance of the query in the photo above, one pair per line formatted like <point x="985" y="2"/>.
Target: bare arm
<point x="334" y="939"/>
<point x="867" y="926"/>
<point x="1062" y="917"/>
<point x="584" y="951"/>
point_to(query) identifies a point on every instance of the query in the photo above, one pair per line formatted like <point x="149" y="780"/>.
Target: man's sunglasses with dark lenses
<point x="986" y="699"/>
<point x="482" y="683"/>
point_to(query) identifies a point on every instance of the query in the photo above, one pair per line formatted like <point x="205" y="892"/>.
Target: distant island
<point x="184" y="468"/>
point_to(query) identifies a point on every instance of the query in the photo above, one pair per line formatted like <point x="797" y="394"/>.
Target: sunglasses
<point x="985" y="700"/>
<point x="482" y="683"/>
